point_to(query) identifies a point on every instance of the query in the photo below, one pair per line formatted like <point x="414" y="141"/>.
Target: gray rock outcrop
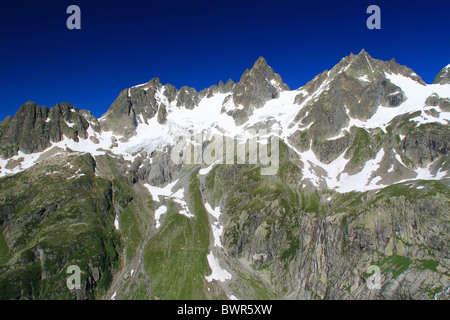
<point x="443" y="76"/>
<point x="256" y="86"/>
<point x="33" y="128"/>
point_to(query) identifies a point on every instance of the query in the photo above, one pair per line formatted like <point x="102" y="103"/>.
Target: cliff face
<point x="33" y="128"/>
<point x="305" y="244"/>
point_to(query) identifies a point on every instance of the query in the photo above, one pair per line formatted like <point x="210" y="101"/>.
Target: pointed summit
<point x="363" y="67"/>
<point x="363" y="55"/>
<point x="260" y="67"/>
<point x="260" y="63"/>
<point x="256" y="86"/>
<point x="261" y="72"/>
<point x="362" y="52"/>
<point x="357" y="66"/>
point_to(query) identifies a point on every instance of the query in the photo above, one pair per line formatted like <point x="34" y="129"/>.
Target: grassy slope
<point x="175" y="257"/>
<point x="57" y="222"/>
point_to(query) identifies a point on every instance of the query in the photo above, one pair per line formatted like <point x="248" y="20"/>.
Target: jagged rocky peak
<point x="356" y="86"/>
<point x="153" y="85"/>
<point x="365" y="68"/>
<point x="256" y="86"/>
<point x="261" y="76"/>
<point x="356" y="65"/>
<point x="170" y="92"/>
<point x="226" y="87"/>
<point x="141" y="103"/>
<point x="188" y="97"/>
<point x="34" y="127"/>
<point x="120" y="117"/>
<point x="354" y="89"/>
<point x="214" y="89"/>
<point x="134" y="104"/>
<point x="361" y="67"/>
<point x="443" y="76"/>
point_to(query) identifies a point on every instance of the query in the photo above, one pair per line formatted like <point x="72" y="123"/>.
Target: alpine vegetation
<point x="244" y="190"/>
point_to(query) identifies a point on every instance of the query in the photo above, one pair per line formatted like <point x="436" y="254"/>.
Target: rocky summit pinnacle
<point x="361" y="179"/>
<point x="261" y="63"/>
<point x="256" y="86"/>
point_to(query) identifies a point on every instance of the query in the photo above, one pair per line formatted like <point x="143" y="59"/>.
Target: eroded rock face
<point x="256" y="86"/>
<point x="162" y="169"/>
<point x="435" y="101"/>
<point x="188" y="98"/>
<point x="354" y="90"/>
<point x="33" y="128"/>
<point x="443" y="76"/>
<point x="133" y="102"/>
<point x="355" y="87"/>
<point x="321" y="245"/>
<point x="427" y="145"/>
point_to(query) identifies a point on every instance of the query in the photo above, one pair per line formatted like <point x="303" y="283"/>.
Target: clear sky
<point x="123" y="43"/>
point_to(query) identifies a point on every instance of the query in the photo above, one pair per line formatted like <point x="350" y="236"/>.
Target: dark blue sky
<point x="197" y="43"/>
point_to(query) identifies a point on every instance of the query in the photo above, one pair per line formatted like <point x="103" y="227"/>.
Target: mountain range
<point x="361" y="183"/>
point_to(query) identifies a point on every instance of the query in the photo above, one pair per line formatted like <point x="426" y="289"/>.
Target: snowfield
<point x="218" y="273"/>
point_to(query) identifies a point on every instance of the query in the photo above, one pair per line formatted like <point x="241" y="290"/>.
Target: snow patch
<point x="156" y="192"/>
<point x="77" y="174"/>
<point x="178" y="197"/>
<point x="217" y="273"/>
<point x="334" y="176"/>
<point x="205" y="171"/>
<point x="340" y="135"/>
<point x="140" y="85"/>
<point x="116" y="222"/>
<point x="399" y="159"/>
<point x="166" y="191"/>
<point x="364" y="78"/>
<point x="217" y="229"/>
<point x="425" y="118"/>
<point x="158" y="213"/>
<point x="363" y="180"/>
